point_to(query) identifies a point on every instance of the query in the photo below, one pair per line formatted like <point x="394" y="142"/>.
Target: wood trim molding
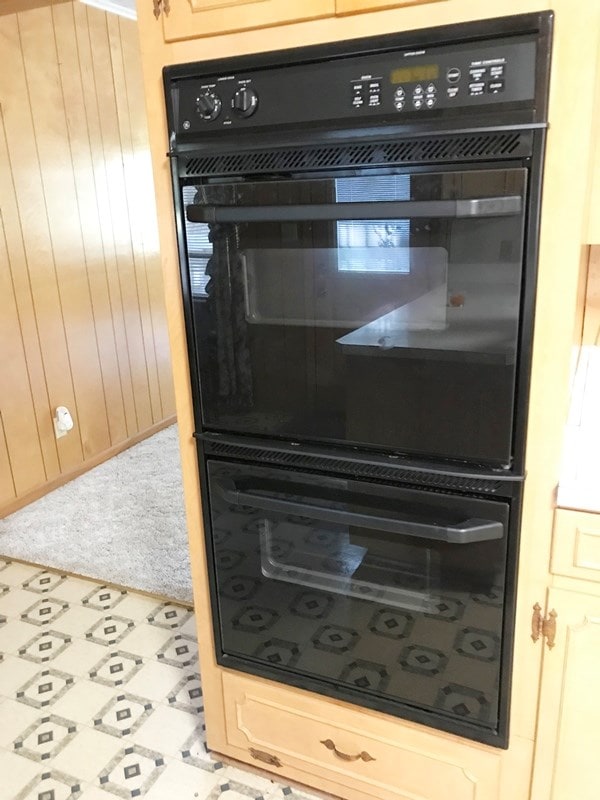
<point x="98" y="459"/>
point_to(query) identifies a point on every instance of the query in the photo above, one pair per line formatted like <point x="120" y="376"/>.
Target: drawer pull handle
<point x="364" y="756"/>
<point x="269" y="759"/>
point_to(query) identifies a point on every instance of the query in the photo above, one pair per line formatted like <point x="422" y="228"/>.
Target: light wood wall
<point x="82" y="318"/>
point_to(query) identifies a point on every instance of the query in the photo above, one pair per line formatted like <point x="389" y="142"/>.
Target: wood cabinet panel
<point x="189" y="19"/>
<point x="576" y="545"/>
<point x="568" y="740"/>
<point x="353" y="748"/>
<point x="358" y="6"/>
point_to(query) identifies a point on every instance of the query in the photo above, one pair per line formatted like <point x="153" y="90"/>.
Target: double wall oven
<point x="357" y="230"/>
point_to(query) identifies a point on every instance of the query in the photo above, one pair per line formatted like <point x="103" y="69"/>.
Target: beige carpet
<point x="122" y="522"/>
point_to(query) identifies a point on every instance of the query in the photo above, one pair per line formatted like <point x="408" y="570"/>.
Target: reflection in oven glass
<point x="327" y="559"/>
<point x="298" y="595"/>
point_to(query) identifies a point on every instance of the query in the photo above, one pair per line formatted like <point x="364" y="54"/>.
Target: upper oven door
<point x="379" y="310"/>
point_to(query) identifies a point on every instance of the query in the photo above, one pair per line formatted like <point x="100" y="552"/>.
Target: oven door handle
<point x="468" y="531"/>
<point x="396" y="209"/>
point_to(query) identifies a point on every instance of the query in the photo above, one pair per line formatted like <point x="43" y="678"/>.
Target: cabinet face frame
<point x="192" y="19"/>
<point x="554" y="335"/>
<point x="360" y="6"/>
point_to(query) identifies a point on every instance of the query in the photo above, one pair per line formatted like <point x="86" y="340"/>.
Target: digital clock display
<point x="418" y="72"/>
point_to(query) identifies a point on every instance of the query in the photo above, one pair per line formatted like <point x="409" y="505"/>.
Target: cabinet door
<point x="568" y="740"/>
<point x="189" y="19"/>
<point x="356" y="6"/>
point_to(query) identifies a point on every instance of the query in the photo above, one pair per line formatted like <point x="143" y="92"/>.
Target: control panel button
<point x="431" y="88"/>
<point x="418" y="102"/>
<point x="497" y="71"/>
<point x="399" y="104"/>
<point x="430" y="102"/>
<point x="245" y="102"/>
<point x="495" y="87"/>
<point x="418" y="90"/>
<point x="476" y="88"/>
<point x="208" y="105"/>
<point x="399" y="93"/>
<point x="477" y="73"/>
<point x="453" y="74"/>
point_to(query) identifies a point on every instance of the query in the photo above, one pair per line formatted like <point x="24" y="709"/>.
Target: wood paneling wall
<point x="82" y="318"/>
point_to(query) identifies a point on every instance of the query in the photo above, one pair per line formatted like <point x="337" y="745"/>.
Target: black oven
<point x="358" y="242"/>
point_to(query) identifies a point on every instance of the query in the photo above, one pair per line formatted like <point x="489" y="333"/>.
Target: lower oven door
<point x="390" y="597"/>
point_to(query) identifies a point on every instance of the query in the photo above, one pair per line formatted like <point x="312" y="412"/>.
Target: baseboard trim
<point x="95" y="461"/>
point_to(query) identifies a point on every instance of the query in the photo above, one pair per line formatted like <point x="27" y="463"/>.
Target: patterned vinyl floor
<point x="100" y="697"/>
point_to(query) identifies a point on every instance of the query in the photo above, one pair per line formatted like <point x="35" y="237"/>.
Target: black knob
<point x="245" y="102"/>
<point x="208" y="105"/>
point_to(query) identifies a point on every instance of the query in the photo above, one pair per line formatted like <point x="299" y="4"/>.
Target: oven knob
<point x="208" y="105"/>
<point x="245" y="102"/>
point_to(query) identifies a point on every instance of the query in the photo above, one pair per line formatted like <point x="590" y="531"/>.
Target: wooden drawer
<point x="357" y="749"/>
<point x="576" y="545"/>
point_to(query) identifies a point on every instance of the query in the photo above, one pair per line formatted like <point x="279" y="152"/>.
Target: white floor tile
<point x="77" y="620"/>
<point x="154" y="681"/>
<point x="79" y="657"/>
<point x="83" y="702"/>
<point x="14" y="719"/>
<point x="166" y="729"/>
<point x="16" y="772"/>
<point x="145" y="640"/>
<point x="136" y="606"/>
<point x="14" y="635"/>
<point x="73" y="590"/>
<point x="14" y="672"/>
<point x="17" y="601"/>
<point x="15" y="574"/>
<point x="182" y="782"/>
<point x="88" y="754"/>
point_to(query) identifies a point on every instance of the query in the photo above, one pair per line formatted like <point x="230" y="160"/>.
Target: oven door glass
<point x="390" y="597"/>
<point x="376" y="310"/>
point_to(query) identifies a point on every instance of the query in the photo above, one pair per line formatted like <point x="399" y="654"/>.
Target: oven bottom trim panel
<point x="270" y="726"/>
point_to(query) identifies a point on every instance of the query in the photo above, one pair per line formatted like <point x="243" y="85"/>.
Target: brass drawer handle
<point x="364" y="756"/>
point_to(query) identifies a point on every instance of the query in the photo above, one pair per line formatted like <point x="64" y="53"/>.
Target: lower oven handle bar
<point x="467" y="532"/>
<point x="391" y="209"/>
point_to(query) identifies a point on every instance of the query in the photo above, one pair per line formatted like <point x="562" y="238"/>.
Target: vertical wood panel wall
<point x="82" y="318"/>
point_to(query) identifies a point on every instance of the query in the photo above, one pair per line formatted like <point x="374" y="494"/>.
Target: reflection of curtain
<point x="229" y="332"/>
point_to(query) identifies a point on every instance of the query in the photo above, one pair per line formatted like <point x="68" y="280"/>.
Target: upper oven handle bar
<point x="479" y="207"/>
<point x="467" y="532"/>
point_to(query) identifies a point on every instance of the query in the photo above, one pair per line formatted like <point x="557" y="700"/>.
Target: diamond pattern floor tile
<point x="100" y="697"/>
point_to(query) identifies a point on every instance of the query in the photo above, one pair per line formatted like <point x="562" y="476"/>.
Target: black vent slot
<point x="472" y="147"/>
<point x="359" y="469"/>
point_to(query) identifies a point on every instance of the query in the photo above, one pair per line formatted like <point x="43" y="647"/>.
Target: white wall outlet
<point x="63" y="421"/>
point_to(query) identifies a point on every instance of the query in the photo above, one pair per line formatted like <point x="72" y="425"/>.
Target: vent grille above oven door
<point x="439" y="149"/>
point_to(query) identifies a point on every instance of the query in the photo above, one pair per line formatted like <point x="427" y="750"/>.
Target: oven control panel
<point x="404" y="84"/>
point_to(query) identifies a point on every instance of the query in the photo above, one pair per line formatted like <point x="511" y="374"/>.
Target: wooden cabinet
<point x="190" y="19"/>
<point x="576" y="545"/>
<point x="355" y="754"/>
<point x="357" y="6"/>
<point x="568" y="738"/>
